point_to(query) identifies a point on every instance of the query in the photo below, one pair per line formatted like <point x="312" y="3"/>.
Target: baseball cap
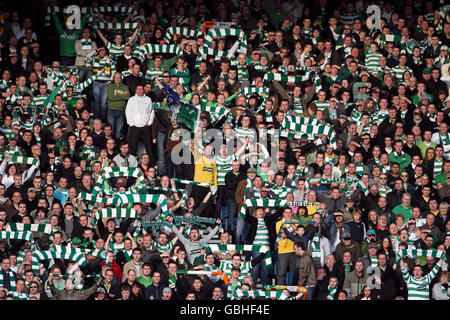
<point x="426" y="71"/>
<point x="373" y="245"/>
<point x="349" y="199"/>
<point x="12" y="136"/>
<point x="371" y="232"/>
<point x="346" y="235"/>
<point x="251" y="170"/>
<point x="76" y="241"/>
<point x="444" y="47"/>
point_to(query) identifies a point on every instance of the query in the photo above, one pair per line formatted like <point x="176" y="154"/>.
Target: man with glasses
<point x="22" y="212"/>
<point x="110" y="285"/>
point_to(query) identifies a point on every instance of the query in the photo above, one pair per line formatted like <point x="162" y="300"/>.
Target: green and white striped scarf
<point x="116" y="213"/>
<point x="20" y="159"/>
<point x="244" y="247"/>
<point x="12" y="280"/>
<point x="293" y="135"/>
<point x="125" y="198"/>
<point x="163" y="48"/>
<point x="33" y="227"/>
<point x="331" y="293"/>
<point x="221" y="32"/>
<point x="194" y="220"/>
<point x="261" y="203"/>
<point x="383" y="190"/>
<point x="284" y="78"/>
<point x="115" y="9"/>
<point x="95" y="199"/>
<point x="18" y="235"/>
<point x="85" y="45"/>
<point x="438" y="254"/>
<point x="156" y="224"/>
<point x="315" y="247"/>
<point x="20" y="296"/>
<point x="279" y="295"/>
<point x="373" y="261"/>
<point x="66" y="253"/>
<point x="171" y="31"/>
<point x="118" y="25"/>
<point x="251" y="90"/>
<point x="310" y="126"/>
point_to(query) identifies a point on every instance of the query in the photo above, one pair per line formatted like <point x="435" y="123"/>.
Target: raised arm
<point x="180" y="236"/>
<point x="133" y="36"/>
<point x="58" y="25"/>
<point x="100" y="34"/>
<point x="212" y="233"/>
<point x="289" y="235"/>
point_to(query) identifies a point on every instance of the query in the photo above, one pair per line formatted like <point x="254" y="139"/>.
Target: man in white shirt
<point x="140" y="115"/>
<point x="442" y="137"/>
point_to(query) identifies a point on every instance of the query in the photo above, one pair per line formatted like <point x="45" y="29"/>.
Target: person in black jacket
<point x="232" y="180"/>
<point x="111" y="289"/>
<point x="68" y="222"/>
<point x="123" y="59"/>
<point x="133" y="80"/>
<point x="262" y="231"/>
<point x="388" y="282"/>
<point x="155" y="290"/>
<point x="388" y="126"/>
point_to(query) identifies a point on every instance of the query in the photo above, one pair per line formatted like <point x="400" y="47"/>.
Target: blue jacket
<point x="305" y="238"/>
<point x="331" y="225"/>
<point x="154" y="291"/>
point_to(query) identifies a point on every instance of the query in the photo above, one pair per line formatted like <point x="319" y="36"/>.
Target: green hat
<point x="426" y="71"/>
<point x="265" y="55"/>
<point x="13" y="136"/>
<point x="76" y="241"/>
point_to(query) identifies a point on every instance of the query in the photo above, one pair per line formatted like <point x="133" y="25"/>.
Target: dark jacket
<point x="268" y="220"/>
<point x="154" y="291"/>
<point x="132" y="81"/>
<point x="231" y="183"/>
<point x="76" y="226"/>
<point x="305" y="273"/>
<point x="354" y="247"/>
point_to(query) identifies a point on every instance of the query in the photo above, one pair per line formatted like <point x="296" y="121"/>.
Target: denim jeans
<point x="100" y="99"/>
<point x="260" y="270"/>
<point x="161" y="153"/>
<point x="286" y="262"/>
<point x="311" y="292"/>
<point x="116" y="118"/>
<point x="232" y="211"/>
<point x="239" y="229"/>
<point x="67" y="61"/>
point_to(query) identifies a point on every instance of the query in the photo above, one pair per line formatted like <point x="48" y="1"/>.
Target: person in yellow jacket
<point x="205" y="172"/>
<point x="286" y="255"/>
